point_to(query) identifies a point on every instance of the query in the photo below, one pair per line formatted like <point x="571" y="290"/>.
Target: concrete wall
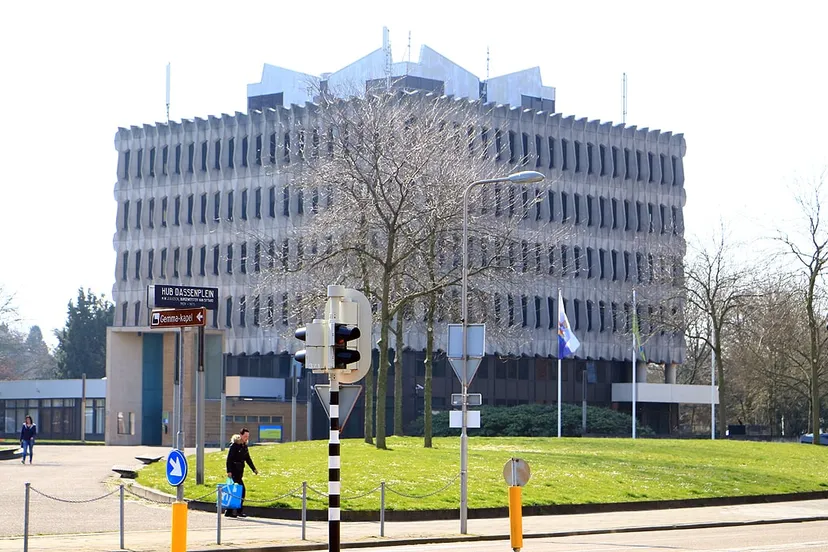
<point x="123" y="384"/>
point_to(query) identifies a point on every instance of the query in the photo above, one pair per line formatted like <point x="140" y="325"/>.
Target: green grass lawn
<point x="564" y="471"/>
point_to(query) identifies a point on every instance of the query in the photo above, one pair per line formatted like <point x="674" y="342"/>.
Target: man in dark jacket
<point x="237" y="456"/>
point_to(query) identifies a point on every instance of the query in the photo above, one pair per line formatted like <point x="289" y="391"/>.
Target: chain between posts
<point x="70" y="501"/>
<point x="440" y="490"/>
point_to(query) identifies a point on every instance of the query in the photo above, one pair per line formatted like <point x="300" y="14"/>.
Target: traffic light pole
<point x="334" y="470"/>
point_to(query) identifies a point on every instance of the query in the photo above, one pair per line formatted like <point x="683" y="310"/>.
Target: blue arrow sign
<point x="176" y="468"/>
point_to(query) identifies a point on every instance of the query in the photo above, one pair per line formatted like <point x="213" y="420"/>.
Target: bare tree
<point x="808" y="246"/>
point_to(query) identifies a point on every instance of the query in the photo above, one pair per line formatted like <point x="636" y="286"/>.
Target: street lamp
<point x="523" y="177"/>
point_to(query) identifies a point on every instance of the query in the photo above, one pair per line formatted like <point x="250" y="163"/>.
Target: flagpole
<point x="634" y="358"/>
<point x="560" y="304"/>
<point x="713" y="385"/>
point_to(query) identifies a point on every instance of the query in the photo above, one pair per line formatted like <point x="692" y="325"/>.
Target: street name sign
<point x="178" y="318"/>
<point x="177" y="297"/>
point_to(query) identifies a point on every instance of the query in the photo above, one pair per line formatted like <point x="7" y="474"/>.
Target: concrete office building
<point x="190" y="192"/>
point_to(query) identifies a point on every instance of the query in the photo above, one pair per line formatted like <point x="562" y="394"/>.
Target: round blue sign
<point x="176" y="468"/>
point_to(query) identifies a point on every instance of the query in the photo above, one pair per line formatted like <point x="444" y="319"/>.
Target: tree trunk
<point x="722" y="411"/>
<point x="382" y="369"/>
<point x="429" y="367"/>
<point x="398" y="375"/>
<point x="814" y="360"/>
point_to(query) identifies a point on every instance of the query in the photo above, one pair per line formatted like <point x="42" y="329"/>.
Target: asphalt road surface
<point x="783" y="537"/>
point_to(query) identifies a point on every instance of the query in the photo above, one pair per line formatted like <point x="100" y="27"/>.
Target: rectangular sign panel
<point x="475" y="341"/>
<point x="165" y="296"/>
<point x="472" y="419"/>
<point x="178" y="317"/>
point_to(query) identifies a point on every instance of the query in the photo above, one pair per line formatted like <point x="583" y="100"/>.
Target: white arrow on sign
<point x="199" y="317"/>
<point x="176" y="468"/>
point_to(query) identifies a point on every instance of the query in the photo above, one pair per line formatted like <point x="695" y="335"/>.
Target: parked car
<point x="808" y="438"/>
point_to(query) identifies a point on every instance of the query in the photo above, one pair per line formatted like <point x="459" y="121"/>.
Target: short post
<point x="179" y="527"/>
<point x="334" y="470"/>
<point x="121" y="520"/>
<point x="304" y="508"/>
<point x="382" y="508"/>
<point x="515" y="511"/>
<point x="218" y="514"/>
<point x="26" y="519"/>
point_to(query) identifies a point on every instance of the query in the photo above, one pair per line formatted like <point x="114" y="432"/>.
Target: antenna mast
<point x="386" y="46"/>
<point x="624" y="100"/>
<point x="168" y="93"/>
<point x="487" y="63"/>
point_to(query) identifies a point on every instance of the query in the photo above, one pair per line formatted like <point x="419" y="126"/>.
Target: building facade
<point x="190" y="194"/>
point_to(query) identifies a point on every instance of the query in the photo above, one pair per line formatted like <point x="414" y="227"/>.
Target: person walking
<point x="237" y="457"/>
<point x="27" y="438"/>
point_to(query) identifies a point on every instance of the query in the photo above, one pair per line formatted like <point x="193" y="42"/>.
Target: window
<point x="538" y="150"/>
<point x="137" y="265"/>
<point x="674" y="223"/>
<point x="125" y="265"/>
<point x="165" y="156"/>
<point x="203" y="208"/>
<point x="243" y="258"/>
<point x="602" y="156"/>
<point x="614" y="213"/>
<point x="590" y="147"/>
<point x="589" y="306"/>
<point x="228" y="310"/>
<point x="230" y="197"/>
<point x="230" y="259"/>
<point x="614" y="315"/>
<point x="216" y="259"/>
<point x="551" y="152"/>
<point x="137" y="314"/>
<point x="242" y="311"/>
<point x="662" y="212"/>
<point x="164" y="263"/>
<point x="577" y="149"/>
<point x="639" y="172"/>
<point x="285" y="312"/>
<point x="550" y="309"/>
<point x="510" y="301"/>
<point x="202" y="265"/>
<point x="639" y="267"/>
<point x="189" y="261"/>
<point x="538" y="205"/>
<point x="564" y="264"/>
<point x="177" y="211"/>
<point x="244" y="151"/>
<point x="273" y="149"/>
<point x="190" y="206"/>
<point x="259" y="150"/>
<point x="626" y="215"/>
<point x="614" y="162"/>
<point x="614" y="261"/>
<point x="511" y="201"/>
<point x="176" y="259"/>
<point x="256" y="310"/>
<point x="315" y="143"/>
<point x="217" y="206"/>
<point x="675" y="170"/>
<point x="576" y="314"/>
<point x="564" y="155"/>
<point x="602" y="264"/>
<point x="498" y="144"/>
<point x="662" y="166"/>
<point x="300" y="201"/>
<point x="244" y="204"/>
<point x="650" y="218"/>
<point x="626" y="164"/>
<point x="258" y="203"/>
<point x="638" y="215"/>
<point x="537" y="311"/>
<point x="524" y="315"/>
<point x="257" y="257"/>
<point x="552" y="259"/>
<point x="126" y="164"/>
<point x="126" y="423"/>
<point x="125" y="219"/>
<point x="151" y="213"/>
<point x="589" y="262"/>
<point x="300" y="144"/>
<point x="602" y="312"/>
<point x="231" y="153"/>
<point x="650" y="163"/>
<point x="217" y="156"/>
<point x="178" y="159"/>
<point x="204" y="156"/>
<point x="576" y="256"/>
<point x="272" y="201"/>
<point x="576" y="201"/>
<point x="138" y="214"/>
<point x="525" y="149"/>
<point x="191" y="157"/>
<point x="315" y="200"/>
<point x="602" y="210"/>
<point x="150" y="260"/>
<point x="564" y="207"/>
<point x="286" y="148"/>
<point x="286" y="201"/>
<point x="590" y="201"/>
<point x="626" y="266"/>
<point x="163" y="212"/>
<point x="152" y="162"/>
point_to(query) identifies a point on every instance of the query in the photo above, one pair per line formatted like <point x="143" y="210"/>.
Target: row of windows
<point x="523" y="256"/>
<point x="508" y="310"/>
<point x="598" y="212"/>
<point x="212" y="210"/>
<point x="548" y="152"/>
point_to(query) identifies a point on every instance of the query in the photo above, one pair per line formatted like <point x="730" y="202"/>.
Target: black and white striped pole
<point x="334" y="465"/>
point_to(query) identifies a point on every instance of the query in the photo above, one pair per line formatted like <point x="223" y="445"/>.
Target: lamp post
<point x="523" y="177"/>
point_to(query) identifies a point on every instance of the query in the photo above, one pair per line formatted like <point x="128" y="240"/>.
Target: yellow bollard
<point x="515" y="518"/>
<point x="179" y="527"/>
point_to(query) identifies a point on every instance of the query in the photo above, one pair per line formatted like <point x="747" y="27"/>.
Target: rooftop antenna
<point x="409" y="53"/>
<point x="386" y="48"/>
<point x="624" y="100"/>
<point x="487" y="63"/>
<point x="168" y="93"/>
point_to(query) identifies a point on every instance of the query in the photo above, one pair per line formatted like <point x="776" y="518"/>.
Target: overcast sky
<point x="746" y="82"/>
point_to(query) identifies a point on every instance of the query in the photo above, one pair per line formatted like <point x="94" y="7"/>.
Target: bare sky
<point x="746" y="82"/>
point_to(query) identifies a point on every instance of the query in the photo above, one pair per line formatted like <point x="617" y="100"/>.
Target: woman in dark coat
<point x="27" y="438"/>
<point x="237" y="457"/>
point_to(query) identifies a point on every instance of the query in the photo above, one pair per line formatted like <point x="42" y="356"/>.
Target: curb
<point x="487" y="538"/>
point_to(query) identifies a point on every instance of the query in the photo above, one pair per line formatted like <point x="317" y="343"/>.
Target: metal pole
<point x="560" y="385"/>
<point x="179" y="490"/>
<point x="713" y="387"/>
<point x="634" y="369"/>
<point x="83" y="408"/>
<point x="464" y="311"/>
<point x="294" y="391"/>
<point x="304" y="508"/>
<point x="200" y="409"/>
<point x="223" y="421"/>
<point x="583" y="401"/>
<point x="26" y="519"/>
<point x="382" y="508"/>
<point x="121" y="496"/>
<point x="334" y="470"/>
<point x="309" y="409"/>
<point x="218" y="514"/>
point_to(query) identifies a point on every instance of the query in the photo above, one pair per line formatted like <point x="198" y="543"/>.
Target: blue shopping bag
<point x="231" y="495"/>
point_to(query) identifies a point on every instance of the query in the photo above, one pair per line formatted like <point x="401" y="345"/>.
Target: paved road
<point x="793" y="537"/>
<point x="78" y="473"/>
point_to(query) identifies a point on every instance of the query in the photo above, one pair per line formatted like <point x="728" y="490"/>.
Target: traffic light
<point x="343" y="333"/>
<point x="312" y="356"/>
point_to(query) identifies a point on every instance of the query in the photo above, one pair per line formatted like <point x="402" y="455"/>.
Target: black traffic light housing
<point x="343" y="333"/>
<point x="301" y="334"/>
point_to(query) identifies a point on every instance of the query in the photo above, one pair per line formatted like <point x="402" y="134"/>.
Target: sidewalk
<point x="259" y="534"/>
